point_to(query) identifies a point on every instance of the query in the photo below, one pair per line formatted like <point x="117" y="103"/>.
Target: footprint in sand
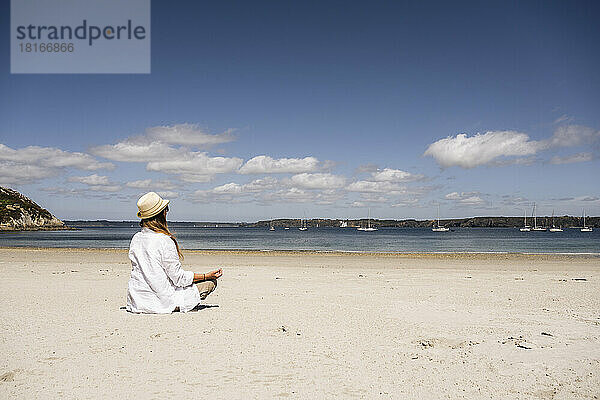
<point x="8" y="376"/>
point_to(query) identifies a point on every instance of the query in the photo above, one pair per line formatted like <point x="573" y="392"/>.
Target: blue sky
<point x="267" y="109"/>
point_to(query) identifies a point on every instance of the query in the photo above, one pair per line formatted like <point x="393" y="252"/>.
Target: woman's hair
<point x="158" y="223"/>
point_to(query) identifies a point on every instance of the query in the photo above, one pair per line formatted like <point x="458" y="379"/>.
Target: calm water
<point x="326" y="239"/>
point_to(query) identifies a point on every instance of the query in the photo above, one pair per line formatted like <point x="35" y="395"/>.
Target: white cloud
<point x="375" y="187"/>
<point x="407" y="202"/>
<point x="168" y="194"/>
<point x="292" y="194"/>
<point x="573" y="135"/>
<point x="105" y="188"/>
<point x="34" y="163"/>
<point x="261" y="185"/>
<point x="563" y="118"/>
<point x="472" y="200"/>
<point x="481" y="149"/>
<point x="387" y="192"/>
<point x="514" y="161"/>
<point x="299" y="195"/>
<point x="587" y="198"/>
<point x="51" y="157"/>
<point x="92" y="180"/>
<point x="195" y="178"/>
<point x="265" y="190"/>
<point x="301" y="187"/>
<point x="452" y="196"/>
<point x="158" y="143"/>
<point x="188" y="135"/>
<point x="61" y="190"/>
<point x="386" y="187"/>
<point x="317" y="181"/>
<point x="137" y="150"/>
<point x="395" y="175"/>
<point x="150" y="184"/>
<point x="84" y="191"/>
<point x="267" y="165"/>
<point x="12" y="173"/>
<point x="467" y="198"/>
<point x="228" y="188"/>
<point x="234" y="192"/>
<point x="196" y="166"/>
<point x="511" y="200"/>
<point x="373" y="198"/>
<point x="140" y="184"/>
<point x="574" y="158"/>
<point x="491" y="147"/>
<point x="96" y="183"/>
<point x="104" y="193"/>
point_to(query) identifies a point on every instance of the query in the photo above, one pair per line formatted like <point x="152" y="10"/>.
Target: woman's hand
<point x="216" y="274"/>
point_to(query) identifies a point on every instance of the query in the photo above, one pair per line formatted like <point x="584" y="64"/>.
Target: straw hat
<point x="150" y="204"/>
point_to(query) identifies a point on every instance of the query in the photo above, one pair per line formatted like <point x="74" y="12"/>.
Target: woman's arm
<point x="208" y="276"/>
<point x="172" y="265"/>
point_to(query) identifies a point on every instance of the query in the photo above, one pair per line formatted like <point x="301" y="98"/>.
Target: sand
<point x="305" y="325"/>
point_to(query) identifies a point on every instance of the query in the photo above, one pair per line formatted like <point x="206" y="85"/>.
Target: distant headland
<point x="20" y="213"/>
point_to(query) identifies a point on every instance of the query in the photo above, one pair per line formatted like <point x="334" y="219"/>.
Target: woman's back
<point x="158" y="283"/>
<point x="156" y="273"/>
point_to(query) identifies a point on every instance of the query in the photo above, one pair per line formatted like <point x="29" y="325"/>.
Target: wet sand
<point x="305" y="325"/>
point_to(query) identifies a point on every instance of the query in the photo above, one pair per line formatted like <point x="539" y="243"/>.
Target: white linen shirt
<point x="158" y="283"/>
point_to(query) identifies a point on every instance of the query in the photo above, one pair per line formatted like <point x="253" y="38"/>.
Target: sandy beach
<point x="305" y="325"/>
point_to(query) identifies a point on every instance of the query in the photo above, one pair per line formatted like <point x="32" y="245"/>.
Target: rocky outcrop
<point x="19" y="213"/>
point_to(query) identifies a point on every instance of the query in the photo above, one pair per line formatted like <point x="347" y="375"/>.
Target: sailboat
<point x="535" y="227"/>
<point x="554" y="228"/>
<point x="525" y="228"/>
<point x="303" y="225"/>
<point x="368" y="228"/>
<point x="439" y="228"/>
<point x="585" y="228"/>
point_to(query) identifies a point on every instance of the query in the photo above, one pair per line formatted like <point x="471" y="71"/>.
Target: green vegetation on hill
<point x="18" y="212"/>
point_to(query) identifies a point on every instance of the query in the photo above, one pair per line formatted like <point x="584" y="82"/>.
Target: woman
<point x="158" y="283"/>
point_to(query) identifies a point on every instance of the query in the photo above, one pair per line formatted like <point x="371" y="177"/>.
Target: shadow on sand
<point x="199" y="307"/>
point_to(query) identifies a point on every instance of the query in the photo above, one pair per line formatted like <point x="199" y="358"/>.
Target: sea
<point x="386" y="240"/>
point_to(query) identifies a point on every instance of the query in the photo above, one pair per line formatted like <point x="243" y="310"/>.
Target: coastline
<point x="339" y="253"/>
<point x="39" y="228"/>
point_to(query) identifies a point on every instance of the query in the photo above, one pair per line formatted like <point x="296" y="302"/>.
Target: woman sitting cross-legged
<point x="158" y="283"/>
